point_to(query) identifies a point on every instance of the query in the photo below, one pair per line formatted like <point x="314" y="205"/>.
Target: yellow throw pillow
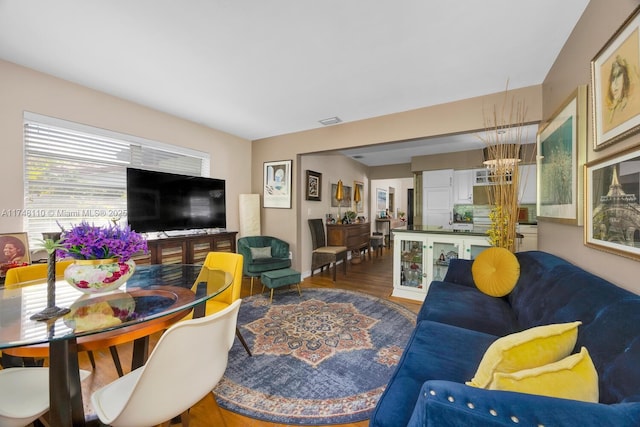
<point x="495" y="271"/>
<point x="527" y="349"/>
<point x="573" y="377"/>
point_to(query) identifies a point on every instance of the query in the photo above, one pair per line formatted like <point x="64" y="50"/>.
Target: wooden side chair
<point x="322" y="254"/>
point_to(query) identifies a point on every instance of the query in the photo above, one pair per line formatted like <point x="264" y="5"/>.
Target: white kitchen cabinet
<point x="437" y="198"/>
<point x="421" y="257"/>
<point x="527" y="184"/>
<point x="463" y="181"/>
<point x="529" y="241"/>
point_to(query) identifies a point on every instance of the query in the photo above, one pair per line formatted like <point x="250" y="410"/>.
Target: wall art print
<point x="561" y="156"/>
<point x="616" y="85"/>
<point x="277" y="184"/>
<point x="612" y="209"/>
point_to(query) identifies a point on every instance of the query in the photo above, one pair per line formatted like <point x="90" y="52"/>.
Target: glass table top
<point x="153" y="291"/>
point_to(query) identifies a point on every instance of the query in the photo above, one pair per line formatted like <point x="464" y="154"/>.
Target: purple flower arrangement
<point x="87" y="241"/>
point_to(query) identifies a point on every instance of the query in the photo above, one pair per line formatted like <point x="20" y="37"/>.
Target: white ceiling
<point x="257" y="68"/>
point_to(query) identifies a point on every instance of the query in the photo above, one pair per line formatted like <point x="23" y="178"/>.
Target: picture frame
<point x="359" y="205"/>
<point x="277" y="184"/>
<point x="14" y="249"/>
<point x="346" y="201"/>
<point x="561" y="148"/>
<point x="381" y="199"/>
<point x="313" y="186"/>
<point x="612" y="193"/>
<point x="615" y="87"/>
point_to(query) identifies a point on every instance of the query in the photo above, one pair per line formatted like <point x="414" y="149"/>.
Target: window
<point x="74" y="172"/>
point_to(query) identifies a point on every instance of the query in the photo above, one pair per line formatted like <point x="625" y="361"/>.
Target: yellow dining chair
<point x="39" y="271"/>
<point x="228" y="262"/>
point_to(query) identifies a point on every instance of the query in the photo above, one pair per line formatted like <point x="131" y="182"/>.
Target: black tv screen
<point x="160" y="201"/>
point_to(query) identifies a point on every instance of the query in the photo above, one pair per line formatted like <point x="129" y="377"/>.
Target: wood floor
<point x="373" y="277"/>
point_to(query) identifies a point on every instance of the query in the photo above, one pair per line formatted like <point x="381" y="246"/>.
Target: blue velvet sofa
<point x="457" y="323"/>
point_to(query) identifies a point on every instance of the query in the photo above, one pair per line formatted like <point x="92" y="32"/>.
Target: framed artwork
<point x="561" y="156"/>
<point x="346" y="200"/>
<point x="277" y="184"/>
<point x="359" y="204"/>
<point x="314" y="186"/>
<point x="612" y="212"/>
<point x="14" y="249"/>
<point x="616" y="85"/>
<point x="381" y="199"/>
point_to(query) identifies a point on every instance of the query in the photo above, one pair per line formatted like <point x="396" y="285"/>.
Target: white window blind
<point x="74" y="172"/>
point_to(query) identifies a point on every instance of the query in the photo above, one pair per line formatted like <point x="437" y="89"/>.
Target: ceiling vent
<point x="330" y="121"/>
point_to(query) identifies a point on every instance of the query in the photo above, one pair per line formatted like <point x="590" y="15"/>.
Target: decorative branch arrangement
<point x="503" y="138"/>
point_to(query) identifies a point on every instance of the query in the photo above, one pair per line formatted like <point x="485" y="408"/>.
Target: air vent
<point x="330" y="121"/>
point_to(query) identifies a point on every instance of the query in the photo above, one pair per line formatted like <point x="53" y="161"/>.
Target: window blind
<point x="74" y="172"/>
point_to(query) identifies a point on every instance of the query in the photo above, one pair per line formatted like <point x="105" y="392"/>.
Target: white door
<point x="437" y="198"/>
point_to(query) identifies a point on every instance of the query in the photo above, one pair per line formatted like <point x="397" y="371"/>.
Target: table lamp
<point x="339" y="197"/>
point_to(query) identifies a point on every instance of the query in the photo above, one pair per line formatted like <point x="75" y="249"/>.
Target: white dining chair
<point x="24" y="395"/>
<point x="186" y="363"/>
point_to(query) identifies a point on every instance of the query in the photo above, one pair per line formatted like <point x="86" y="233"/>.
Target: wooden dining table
<point x="155" y="297"/>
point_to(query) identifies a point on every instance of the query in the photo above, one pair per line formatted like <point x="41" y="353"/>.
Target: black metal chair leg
<point x="92" y="359"/>
<point x="244" y="343"/>
<point x="116" y="359"/>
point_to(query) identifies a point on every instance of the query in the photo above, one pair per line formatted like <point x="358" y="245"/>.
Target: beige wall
<point x="571" y="69"/>
<point x="23" y="90"/>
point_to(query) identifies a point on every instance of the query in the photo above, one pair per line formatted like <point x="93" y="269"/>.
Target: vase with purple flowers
<point x="102" y="254"/>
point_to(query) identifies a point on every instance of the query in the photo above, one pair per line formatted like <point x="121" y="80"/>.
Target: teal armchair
<point x="263" y="253"/>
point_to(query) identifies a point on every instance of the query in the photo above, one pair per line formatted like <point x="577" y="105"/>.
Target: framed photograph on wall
<point x="612" y="212"/>
<point x="314" y="186"/>
<point x="346" y="198"/>
<point x="358" y="191"/>
<point x="616" y="85"/>
<point x="561" y="156"/>
<point x="277" y="184"/>
<point x="14" y="250"/>
<point x="381" y="199"/>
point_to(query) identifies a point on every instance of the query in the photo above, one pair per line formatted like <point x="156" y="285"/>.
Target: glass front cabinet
<point x="420" y="257"/>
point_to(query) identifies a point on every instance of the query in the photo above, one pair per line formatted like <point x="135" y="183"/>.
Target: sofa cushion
<point x="434" y="351"/>
<point x="612" y="340"/>
<point x="527" y="349"/>
<point x="573" y="377"/>
<point x="495" y="271"/>
<point x="459" y="272"/>
<point x="449" y="303"/>
<point x="266" y="264"/>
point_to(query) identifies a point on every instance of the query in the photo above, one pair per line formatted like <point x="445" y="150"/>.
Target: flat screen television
<point x="160" y="201"/>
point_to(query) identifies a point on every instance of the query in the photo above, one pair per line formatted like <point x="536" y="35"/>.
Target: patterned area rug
<point x="320" y="358"/>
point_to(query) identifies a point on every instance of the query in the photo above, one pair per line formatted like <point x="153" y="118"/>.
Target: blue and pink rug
<point x="320" y="358"/>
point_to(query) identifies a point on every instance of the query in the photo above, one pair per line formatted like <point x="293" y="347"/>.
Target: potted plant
<point x="102" y="255"/>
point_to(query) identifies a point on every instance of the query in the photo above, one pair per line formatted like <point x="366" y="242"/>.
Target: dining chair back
<point x="31" y="272"/>
<point x="323" y="255"/>
<point x="24" y="395"/>
<point x="185" y="365"/>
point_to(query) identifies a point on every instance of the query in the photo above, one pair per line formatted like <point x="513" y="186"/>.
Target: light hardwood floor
<point x="373" y="277"/>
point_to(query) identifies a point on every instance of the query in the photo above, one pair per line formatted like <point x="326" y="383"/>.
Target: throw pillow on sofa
<point x="257" y="253"/>
<point x="495" y="271"/>
<point x="531" y="348"/>
<point x="573" y="377"/>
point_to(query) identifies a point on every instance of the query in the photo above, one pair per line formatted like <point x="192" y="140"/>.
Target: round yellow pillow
<point x="495" y="271"/>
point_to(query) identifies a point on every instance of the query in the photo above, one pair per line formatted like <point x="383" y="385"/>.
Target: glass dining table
<point x="151" y="300"/>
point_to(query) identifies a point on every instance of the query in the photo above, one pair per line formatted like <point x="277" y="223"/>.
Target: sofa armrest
<point x="446" y="403"/>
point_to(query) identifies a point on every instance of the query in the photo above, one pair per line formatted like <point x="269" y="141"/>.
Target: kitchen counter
<point x="440" y="230"/>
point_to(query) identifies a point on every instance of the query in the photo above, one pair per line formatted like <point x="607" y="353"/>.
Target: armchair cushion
<point x="257" y="253"/>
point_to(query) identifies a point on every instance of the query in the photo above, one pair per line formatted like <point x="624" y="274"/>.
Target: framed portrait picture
<point x="358" y="196"/>
<point x="381" y="199"/>
<point x="561" y="156"/>
<point x="346" y="199"/>
<point x="612" y="212"/>
<point x="314" y="186"/>
<point x="277" y="184"/>
<point x="14" y="250"/>
<point x="616" y="85"/>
